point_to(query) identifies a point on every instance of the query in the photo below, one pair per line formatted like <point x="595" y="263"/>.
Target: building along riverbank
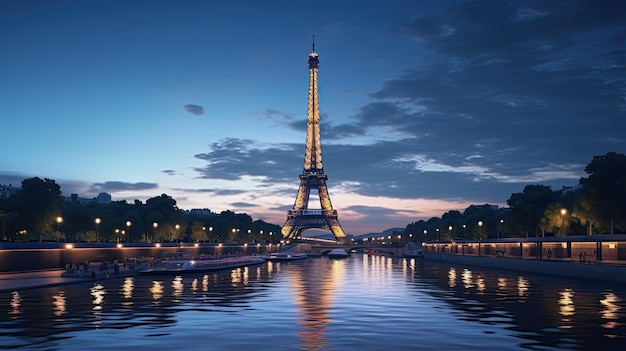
<point x="600" y="257"/>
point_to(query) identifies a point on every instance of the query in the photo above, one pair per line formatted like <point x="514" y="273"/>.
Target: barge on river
<point x="200" y="265"/>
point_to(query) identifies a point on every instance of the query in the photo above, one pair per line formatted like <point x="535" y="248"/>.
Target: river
<point x="359" y="303"/>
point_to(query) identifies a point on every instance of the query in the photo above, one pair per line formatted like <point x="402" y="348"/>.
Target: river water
<point x="359" y="303"/>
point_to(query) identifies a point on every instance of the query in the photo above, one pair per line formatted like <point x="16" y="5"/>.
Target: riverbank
<point x="38" y="279"/>
<point x="569" y="269"/>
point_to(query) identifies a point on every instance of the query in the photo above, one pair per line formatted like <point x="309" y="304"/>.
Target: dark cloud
<point x="114" y="186"/>
<point x="194" y="109"/>
<point x="232" y="159"/>
<point x="242" y="204"/>
<point x="169" y="171"/>
<point x="216" y="192"/>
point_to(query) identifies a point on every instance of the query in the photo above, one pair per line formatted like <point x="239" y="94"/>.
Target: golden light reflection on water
<point x="157" y="291"/>
<point x="59" y="304"/>
<point x="408" y="269"/>
<point x="126" y="290"/>
<point x="480" y="285"/>
<point x="452" y="277"/>
<point x="522" y="288"/>
<point x="313" y="291"/>
<point x="466" y="278"/>
<point x="194" y="285"/>
<point x="205" y="283"/>
<point x="16" y="303"/>
<point x="566" y="307"/>
<point x="177" y="287"/>
<point x="502" y="283"/>
<point x="98" y="293"/>
<point x="610" y="311"/>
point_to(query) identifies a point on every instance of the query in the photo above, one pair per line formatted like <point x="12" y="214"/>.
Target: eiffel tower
<point x="301" y="217"/>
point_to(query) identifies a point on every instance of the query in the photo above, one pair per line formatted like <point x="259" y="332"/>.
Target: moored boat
<point x="338" y="253"/>
<point x="199" y="265"/>
<point x="286" y="256"/>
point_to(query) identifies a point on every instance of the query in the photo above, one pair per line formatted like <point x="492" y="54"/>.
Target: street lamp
<point x="480" y="229"/>
<point x="425" y="233"/>
<point x="154" y="225"/>
<point x="128" y="224"/>
<point x="59" y="221"/>
<point x="563" y="213"/>
<point x="177" y="227"/>
<point x="98" y="220"/>
<point x="501" y="228"/>
<point x="464" y="227"/>
<point x="210" y="233"/>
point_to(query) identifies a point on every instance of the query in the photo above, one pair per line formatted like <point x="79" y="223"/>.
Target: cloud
<point x="169" y="172"/>
<point x="114" y="186"/>
<point x="232" y="158"/>
<point x="194" y="109"/>
<point x="242" y="204"/>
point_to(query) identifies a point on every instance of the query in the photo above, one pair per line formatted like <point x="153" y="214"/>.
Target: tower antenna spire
<point x="313" y="42"/>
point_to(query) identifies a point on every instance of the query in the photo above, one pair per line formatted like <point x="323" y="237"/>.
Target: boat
<point x="199" y="265"/>
<point x="338" y="253"/>
<point x="286" y="256"/>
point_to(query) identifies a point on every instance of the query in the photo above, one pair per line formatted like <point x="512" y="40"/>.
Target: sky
<point x="426" y="106"/>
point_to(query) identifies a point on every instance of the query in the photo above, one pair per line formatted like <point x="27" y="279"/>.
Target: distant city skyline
<point x="425" y="107"/>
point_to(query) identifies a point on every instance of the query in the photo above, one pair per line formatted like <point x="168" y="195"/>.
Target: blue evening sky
<point x="427" y="106"/>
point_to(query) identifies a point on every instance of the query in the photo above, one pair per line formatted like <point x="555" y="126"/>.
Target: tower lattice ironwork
<point x="301" y="217"/>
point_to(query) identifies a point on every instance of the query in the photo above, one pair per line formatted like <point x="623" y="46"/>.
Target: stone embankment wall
<point x="555" y="268"/>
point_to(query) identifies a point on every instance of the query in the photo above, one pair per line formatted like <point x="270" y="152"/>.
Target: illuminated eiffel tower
<point x="301" y="217"/>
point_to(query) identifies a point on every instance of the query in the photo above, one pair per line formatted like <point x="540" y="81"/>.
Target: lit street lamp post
<point x="98" y="220"/>
<point x="155" y="225"/>
<point x="59" y="221"/>
<point x="128" y="224"/>
<point x="563" y="213"/>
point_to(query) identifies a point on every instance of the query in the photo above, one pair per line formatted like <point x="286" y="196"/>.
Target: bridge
<point x="322" y="248"/>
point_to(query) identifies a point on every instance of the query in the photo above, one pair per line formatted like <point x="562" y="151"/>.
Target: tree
<point x="604" y="191"/>
<point x="198" y="232"/>
<point x="556" y="219"/>
<point x="37" y="204"/>
<point x="527" y="207"/>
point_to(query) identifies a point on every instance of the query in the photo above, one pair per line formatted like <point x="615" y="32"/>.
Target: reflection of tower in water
<point x="314" y="284"/>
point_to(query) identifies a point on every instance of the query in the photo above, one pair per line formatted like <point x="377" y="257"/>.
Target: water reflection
<point x="610" y="312"/>
<point x="313" y="287"/>
<point x="59" y="304"/>
<point x="522" y="288"/>
<point x="319" y="304"/>
<point x="16" y="303"/>
<point x="126" y="291"/>
<point x="177" y="287"/>
<point x="566" y="307"/>
<point x="98" y="292"/>
<point x="452" y="277"/>
<point x="157" y="291"/>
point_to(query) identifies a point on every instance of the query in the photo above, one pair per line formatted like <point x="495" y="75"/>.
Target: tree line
<point x="597" y="205"/>
<point x="37" y="212"/>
